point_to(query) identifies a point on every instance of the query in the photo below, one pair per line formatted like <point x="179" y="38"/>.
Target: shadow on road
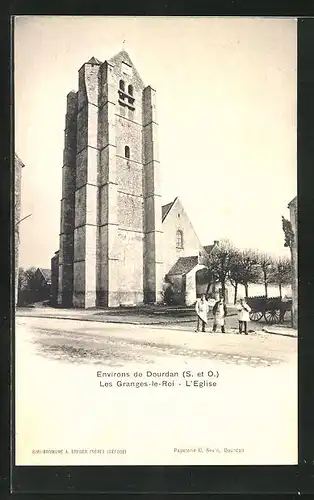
<point x="79" y="347"/>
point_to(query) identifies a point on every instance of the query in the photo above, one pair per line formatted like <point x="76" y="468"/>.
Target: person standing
<point x="243" y="315"/>
<point x="202" y="308"/>
<point x="219" y="312"/>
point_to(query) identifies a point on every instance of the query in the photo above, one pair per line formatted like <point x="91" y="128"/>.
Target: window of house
<point x="130" y="90"/>
<point x="179" y="239"/>
<point x="127" y="152"/>
<point x="121" y="85"/>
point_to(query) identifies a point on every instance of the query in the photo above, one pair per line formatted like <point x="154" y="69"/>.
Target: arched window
<point x="121" y="85"/>
<point x="130" y="90"/>
<point x="179" y="239"/>
<point x="127" y="152"/>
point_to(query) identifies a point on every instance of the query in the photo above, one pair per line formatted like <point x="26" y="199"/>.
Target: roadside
<point x="178" y="318"/>
<point x="144" y="315"/>
<point x="284" y="330"/>
<point x="132" y="317"/>
<point x="114" y="343"/>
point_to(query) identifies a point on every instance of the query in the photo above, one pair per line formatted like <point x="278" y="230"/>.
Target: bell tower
<point x="110" y="241"/>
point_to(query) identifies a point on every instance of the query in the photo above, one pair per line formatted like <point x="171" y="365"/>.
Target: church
<point x="117" y="242"/>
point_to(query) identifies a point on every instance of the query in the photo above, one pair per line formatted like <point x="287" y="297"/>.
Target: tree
<point x="249" y="271"/>
<point x="288" y="231"/>
<point x="281" y="273"/>
<point x="21" y="220"/>
<point x="235" y="272"/>
<point x="22" y="281"/>
<point x="266" y="263"/>
<point x="27" y="286"/>
<point x="220" y="261"/>
<point x="290" y="242"/>
<point x="17" y="243"/>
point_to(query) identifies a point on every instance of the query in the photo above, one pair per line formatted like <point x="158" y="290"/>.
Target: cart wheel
<point x="256" y="315"/>
<point x="272" y="316"/>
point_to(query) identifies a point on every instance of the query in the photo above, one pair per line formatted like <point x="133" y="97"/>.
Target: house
<point x="35" y="286"/>
<point x="190" y="277"/>
<point x="42" y="284"/>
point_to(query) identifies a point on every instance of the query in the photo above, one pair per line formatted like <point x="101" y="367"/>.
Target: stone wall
<point x="18" y="165"/>
<point x="107" y="262"/>
<point x="54" y="279"/>
<point x="67" y="217"/>
<point x="86" y="193"/>
<point x="120" y="241"/>
<point x="153" y="252"/>
<point x="130" y="270"/>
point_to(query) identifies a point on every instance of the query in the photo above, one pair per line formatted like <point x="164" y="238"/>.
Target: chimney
<point x="216" y="242"/>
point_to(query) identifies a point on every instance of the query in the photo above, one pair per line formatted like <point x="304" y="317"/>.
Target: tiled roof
<point x="46" y="273"/>
<point x="166" y="209"/>
<point x="184" y="265"/>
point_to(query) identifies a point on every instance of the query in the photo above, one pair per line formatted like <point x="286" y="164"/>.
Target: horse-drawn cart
<point x="273" y="309"/>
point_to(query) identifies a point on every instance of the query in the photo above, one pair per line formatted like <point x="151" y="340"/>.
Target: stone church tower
<point x="110" y="237"/>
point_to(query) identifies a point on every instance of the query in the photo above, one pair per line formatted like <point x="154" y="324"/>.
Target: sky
<point x="226" y="106"/>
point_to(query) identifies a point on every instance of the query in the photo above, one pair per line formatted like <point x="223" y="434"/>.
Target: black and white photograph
<point x="156" y="280"/>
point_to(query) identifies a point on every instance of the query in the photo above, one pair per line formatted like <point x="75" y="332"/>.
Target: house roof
<point x="208" y="248"/>
<point x="93" y="60"/>
<point x="293" y="202"/>
<point x="165" y="209"/>
<point x="18" y="160"/>
<point x="46" y="273"/>
<point x="123" y="56"/>
<point x="184" y="265"/>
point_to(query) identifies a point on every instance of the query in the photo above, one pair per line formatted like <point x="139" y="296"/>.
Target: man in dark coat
<point x="219" y="312"/>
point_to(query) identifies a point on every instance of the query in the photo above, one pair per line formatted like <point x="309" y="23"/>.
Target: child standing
<point x="243" y="315"/>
